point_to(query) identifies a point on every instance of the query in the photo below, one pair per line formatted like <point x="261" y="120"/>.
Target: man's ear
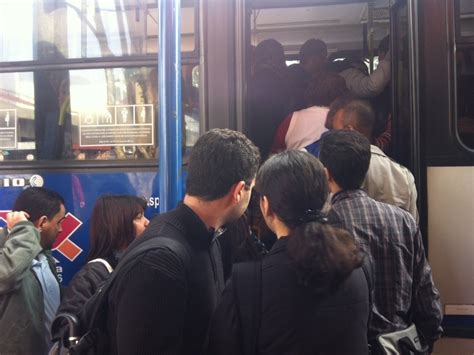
<point x="265" y="207"/>
<point x="236" y="191"/>
<point x="39" y="223"/>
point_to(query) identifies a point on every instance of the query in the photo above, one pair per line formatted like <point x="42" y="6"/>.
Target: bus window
<point x="465" y="18"/>
<point x="68" y="29"/>
<point x="88" y="114"/>
<point x="465" y="72"/>
<point x="17" y="126"/>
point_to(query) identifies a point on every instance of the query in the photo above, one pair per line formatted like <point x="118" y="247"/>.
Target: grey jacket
<point x="21" y="296"/>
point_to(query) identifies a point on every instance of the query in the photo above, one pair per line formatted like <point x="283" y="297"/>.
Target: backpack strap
<point x="92" y="318"/>
<point x="103" y="262"/>
<point x="247" y="285"/>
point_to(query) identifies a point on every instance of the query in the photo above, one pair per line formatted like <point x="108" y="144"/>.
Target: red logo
<point x="63" y="244"/>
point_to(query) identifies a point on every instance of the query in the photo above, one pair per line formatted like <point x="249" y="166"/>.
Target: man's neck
<point x="334" y="188"/>
<point x="207" y="211"/>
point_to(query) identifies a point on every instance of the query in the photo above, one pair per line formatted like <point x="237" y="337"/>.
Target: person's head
<point x="270" y="52"/>
<point x="355" y="115"/>
<point x="222" y="166"/>
<point x="384" y="46"/>
<point x="116" y="220"/>
<point x="293" y="190"/>
<point x="346" y="156"/>
<point x="46" y="211"/>
<point x="322" y="90"/>
<point x="335" y="106"/>
<point x="313" y="55"/>
<point x="291" y="183"/>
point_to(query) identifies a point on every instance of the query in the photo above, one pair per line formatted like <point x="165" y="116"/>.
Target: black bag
<point x="87" y="333"/>
<point x="247" y="285"/>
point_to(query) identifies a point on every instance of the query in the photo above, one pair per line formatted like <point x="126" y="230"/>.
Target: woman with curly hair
<point x="309" y="294"/>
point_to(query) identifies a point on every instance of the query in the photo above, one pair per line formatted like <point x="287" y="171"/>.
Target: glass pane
<point x="61" y="29"/>
<point x="466" y="18"/>
<point x="17" y="112"/>
<point x="93" y="114"/>
<point x="465" y="94"/>
<point x="339" y="26"/>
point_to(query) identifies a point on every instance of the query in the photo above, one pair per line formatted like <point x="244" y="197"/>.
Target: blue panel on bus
<point x="80" y="190"/>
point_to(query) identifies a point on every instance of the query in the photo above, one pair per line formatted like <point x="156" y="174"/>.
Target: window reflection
<point x="89" y="114"/>
<point x="465" y="72"/>
<point x="85" y="28"/>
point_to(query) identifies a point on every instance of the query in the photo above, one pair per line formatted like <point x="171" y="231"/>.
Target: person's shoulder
<point x="163" y="254"/>
<point x="396" y="215"/>
<point x="94" y="269"/>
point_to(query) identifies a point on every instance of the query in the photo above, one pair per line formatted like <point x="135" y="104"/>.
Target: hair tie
<point x="310" y="215"/>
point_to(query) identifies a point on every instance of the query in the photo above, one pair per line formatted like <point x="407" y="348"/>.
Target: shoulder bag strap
<point x="103" y="262"/>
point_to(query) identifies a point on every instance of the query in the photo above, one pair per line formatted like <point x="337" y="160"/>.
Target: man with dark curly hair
<point x="163" y="304"/>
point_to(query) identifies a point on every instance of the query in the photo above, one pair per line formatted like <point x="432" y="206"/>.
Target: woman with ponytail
<point x="309" y="295"/>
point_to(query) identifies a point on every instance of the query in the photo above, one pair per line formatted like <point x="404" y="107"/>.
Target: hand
<point x="16" y="216"/>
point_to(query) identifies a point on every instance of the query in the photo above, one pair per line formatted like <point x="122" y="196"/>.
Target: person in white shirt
<point x="386" y="181"/>
<point x="303" y="129"/>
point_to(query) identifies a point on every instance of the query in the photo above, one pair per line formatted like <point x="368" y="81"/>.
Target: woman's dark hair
<point x="112" y="227"/>
<point x="295" y="186"/>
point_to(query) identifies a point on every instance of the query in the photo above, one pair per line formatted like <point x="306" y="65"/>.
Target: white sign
<point x="116" y="126"/>
<point x="8" y="125"/>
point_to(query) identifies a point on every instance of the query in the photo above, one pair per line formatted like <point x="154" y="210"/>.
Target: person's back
<point x="161" y="281"/>
<point x="404" y="291"/>
<point x="296" y="321"/>
<point x="391" y="238"/>
<point x="390" y="182"/>
<point x="269" y="95"/>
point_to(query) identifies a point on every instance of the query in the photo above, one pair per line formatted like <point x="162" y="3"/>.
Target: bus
<point x="79" y="103"/>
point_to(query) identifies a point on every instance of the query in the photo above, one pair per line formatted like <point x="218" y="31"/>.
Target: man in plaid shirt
<point x="403" y="288"/>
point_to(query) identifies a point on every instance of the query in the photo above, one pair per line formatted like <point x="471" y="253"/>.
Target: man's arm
<point x="21" y="247"/>
<point x="151" y="306"/>
<point x="413" y="195"/>
<point x="365" y="86"/>
<point x="426" y="304"/>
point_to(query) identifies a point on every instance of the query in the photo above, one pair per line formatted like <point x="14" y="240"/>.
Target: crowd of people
<point x="348" y="264"/>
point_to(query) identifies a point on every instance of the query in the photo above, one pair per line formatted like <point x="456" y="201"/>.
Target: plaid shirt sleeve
<point x="426" y="305"/>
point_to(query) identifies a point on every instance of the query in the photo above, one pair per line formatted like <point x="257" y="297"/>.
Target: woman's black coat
<point x="293" y="319"/>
